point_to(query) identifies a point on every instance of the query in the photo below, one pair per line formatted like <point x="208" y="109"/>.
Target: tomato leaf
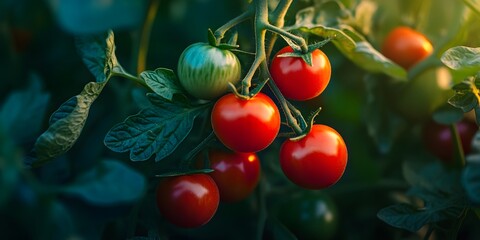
<point x="462" y="59"/>
<point x="66" y="124"/>
<point x="155" y="130"/>
<point x="443" y="198"/>
<point x="110" y="182"/>
<point x="465" y="97"/>
<point x="23" y="112"/>
<point x="98" y="54"/>
<point x="163" y="82"/>
<point x="91" y="17"/>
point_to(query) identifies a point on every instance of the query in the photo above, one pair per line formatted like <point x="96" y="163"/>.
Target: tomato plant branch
<point x="291" y="119"/>
<point x="277" y="18"/>
<point x="474" y="88"/>
<point x="220" y="32"/>
<point x="297" y="39"/>
<point x="124" y="74"/>
<point x="145" y="35"/>
<point x="459" y="156"/>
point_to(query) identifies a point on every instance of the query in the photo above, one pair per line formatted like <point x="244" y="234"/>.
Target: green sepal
<point x="212" y="40"/>
<point x="307" y="57"/>
<point x="310" y="121"/>
<point x="227" y="46"/>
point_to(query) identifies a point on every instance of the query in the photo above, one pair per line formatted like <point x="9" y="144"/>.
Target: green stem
<point x="459" y="155"/>
<point x="297" y="39"/>
<point x="262" y="217"/>
<point x="291" y="120"/>
<point x="472" y="6"/>
<point x="220" y="32"/>
<point x="277" y="18"/>
<point x="145" y="35"/>
<point x="261" y="20"/>
<point x="129" y="76"/>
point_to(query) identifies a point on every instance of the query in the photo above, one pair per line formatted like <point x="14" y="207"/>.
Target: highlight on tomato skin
<point x="316" y="161"/>
<point x="236" y="174"/>
<point x="406" y="46"/>
<point x="245" y="125"/>
<point x="296" y="79"/>
<point x="187" y="201"/>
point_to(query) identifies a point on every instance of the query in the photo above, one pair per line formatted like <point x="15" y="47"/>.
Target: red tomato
<point x="406" y="47"/>
<point x="438" y="139"/>
<point x="296" y="79"/>
<point x="316" y="161"/>
<point x="236" y="174"/>
<point x="246" y="125"/>
<point x="188" y="201"/>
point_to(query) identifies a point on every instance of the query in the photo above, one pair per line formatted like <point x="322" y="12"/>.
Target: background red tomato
<point x="406" y="47"/>
<point x="246" y="125"/>
<point x="438" y="138"/>
<point x="236" y="174"/>
<point x="296" y="79"/>
<point x="188" y="201"/>
<point x="316" y="161"/>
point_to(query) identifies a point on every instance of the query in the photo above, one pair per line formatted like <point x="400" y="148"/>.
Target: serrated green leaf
<point x="110" y="182"/>
<point x="155" y="130"/>
<point x="23" y="112"/>
<point x="464" y="100"/>
<point x="98" y="54"/>
<point x="90" y="16"/>
<point x="437" y="186"/>
<point x="410" y="218"/>
<point x="66" y="124"/>
<point x="464" y="59"/>
<point x="163" y="82"/>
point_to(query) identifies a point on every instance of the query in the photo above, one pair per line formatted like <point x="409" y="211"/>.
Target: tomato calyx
<point x="310" y="121"/>
<point x="306" y="56"/>
<point x="231" y="45"/>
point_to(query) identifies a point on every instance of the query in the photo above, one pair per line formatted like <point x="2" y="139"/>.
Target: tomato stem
<point x="220" y="32"/>
<point x="291" y="119"/>
<point x="122" y="73"/>
<point x="297" y="39"/>
<point x="145" y="35"/>
<point x="459" y="155"/>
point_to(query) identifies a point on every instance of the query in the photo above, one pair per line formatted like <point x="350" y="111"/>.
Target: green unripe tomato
<point x="205" y="71"/>
<point x="422" y="95"/>
<point x="310" y="215"/>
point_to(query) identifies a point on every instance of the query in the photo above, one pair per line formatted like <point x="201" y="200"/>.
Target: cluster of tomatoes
<point x="246" y="125"/>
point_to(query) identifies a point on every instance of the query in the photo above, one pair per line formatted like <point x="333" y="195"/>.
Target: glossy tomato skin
<point x="406" y="47"/>
<point x="188" y="201"/>
<point x="316" y="161"/>
<point x="438" y="139"/>
<point x="245" y="125"/>
<point x="236" y="174"/>
<point x="310" y="215"/>
<point x="296" y="79"/>
<point x="205" y="71"/>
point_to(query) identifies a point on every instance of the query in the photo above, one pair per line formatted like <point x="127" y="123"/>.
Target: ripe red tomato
<point x="316" y="161"/>
<point x="406" y="47"/>
<point x="296" y="79"/>
<point x="246" y="125"/>
<point x="438" y="138"/>
<point x="236" y="174"/>
<point x="188" y="201"/>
